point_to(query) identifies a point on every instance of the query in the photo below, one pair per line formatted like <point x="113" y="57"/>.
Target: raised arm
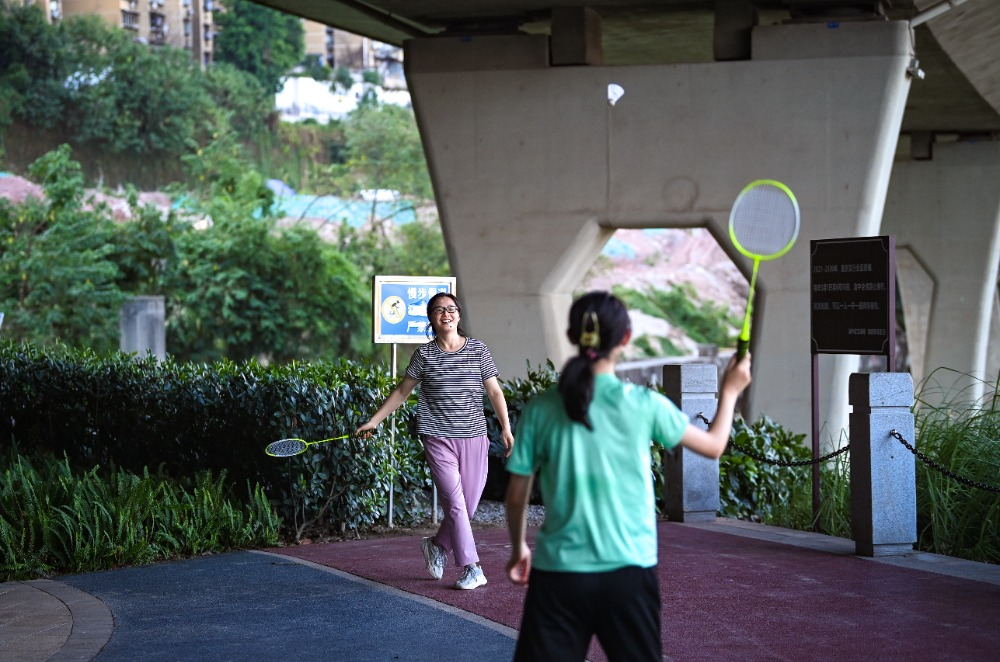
<point x="713" y="441"/>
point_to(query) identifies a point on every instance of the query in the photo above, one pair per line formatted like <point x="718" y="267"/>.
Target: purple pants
<point x="458" y="468"/>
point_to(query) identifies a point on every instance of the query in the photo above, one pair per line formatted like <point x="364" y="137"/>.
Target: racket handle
<point x="741" y="348"/>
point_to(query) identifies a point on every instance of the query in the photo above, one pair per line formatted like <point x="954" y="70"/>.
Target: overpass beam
<point x="534" y="170"/>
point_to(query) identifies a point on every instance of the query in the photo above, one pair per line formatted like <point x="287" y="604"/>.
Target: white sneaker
<point x="434" y="557"/>
<point x="472" y="577"/>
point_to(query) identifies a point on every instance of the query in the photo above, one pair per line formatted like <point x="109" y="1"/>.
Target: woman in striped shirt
<point x="453" y="371"/>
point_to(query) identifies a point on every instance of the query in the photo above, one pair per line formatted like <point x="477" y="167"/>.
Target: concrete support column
<point x="691" y="489"/>
<point x="534" y="170"/>
<point x="883" y="472"/>
<point x="945" y="212"/>
<point x="141" y="320"/>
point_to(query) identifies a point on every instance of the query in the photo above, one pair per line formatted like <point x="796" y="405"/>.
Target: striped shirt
<point x="450" y="400"/>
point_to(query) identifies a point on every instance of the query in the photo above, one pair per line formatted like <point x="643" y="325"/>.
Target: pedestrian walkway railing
<point x="937" y="466"/>
<point x="883" y="480"/>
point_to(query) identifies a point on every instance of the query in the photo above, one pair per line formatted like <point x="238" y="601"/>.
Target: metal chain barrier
<point x="941" y="468"/>
<point x="780" y="463"/>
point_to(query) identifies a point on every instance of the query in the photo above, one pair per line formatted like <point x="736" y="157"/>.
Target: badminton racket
<point x="763" y="225"/>
<point x="290" y="447"/>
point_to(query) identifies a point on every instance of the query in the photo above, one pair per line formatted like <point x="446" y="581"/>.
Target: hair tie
<point x="590" y="338"/>
<point x="591" y="353"/>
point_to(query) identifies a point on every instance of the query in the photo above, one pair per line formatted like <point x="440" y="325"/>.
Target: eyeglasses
<point x="441" y="310"/>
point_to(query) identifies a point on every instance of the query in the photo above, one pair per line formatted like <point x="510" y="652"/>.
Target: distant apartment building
<point x="189" y="24"/>
<point x="186" y="24"/>
<point x="335" y="48"/>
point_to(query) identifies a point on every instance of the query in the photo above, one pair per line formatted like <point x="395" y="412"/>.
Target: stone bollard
<point x="141" y="321"/>
<point x="691" y="490"/>
<point x="883" y="472"/>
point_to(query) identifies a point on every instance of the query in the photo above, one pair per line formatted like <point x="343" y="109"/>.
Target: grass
<point x="56" y="520"/>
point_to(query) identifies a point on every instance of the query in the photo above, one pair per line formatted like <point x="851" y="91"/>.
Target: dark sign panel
<point x="853" y="295"/>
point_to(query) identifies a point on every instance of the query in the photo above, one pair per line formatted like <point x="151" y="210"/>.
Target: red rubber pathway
<point x="738" y="591"/>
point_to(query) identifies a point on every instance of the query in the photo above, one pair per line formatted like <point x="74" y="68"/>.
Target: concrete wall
<point x="534" y="169"/>
<point x="945" y="213"/>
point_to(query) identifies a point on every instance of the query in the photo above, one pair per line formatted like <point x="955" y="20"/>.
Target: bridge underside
<point x="878" y="126"/>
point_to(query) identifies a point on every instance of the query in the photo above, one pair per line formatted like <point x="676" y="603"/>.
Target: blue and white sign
<point x="399" y="312"/>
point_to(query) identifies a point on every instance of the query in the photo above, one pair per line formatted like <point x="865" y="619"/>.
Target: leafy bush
<point x="129" y="413"/>
<point x="57" y="276"/>
<point x="760" y="491"/>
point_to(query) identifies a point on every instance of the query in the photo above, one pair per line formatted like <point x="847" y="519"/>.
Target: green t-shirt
<point x="597" y="485"/>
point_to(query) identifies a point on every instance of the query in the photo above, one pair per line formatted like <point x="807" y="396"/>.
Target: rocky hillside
<point x="664" y="258"/>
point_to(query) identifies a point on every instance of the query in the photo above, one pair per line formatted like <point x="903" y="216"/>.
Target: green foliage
<point x="343" y="79"/>
<point x="129" y="413"/>
<point x="413" y="249"/>
<point x="32" y="61"/>
<point x="299" y="153"/>
<point x="259" y="40"/>
<point x="761" y="491"/>
<point x="382" y="150"/>
<point x="372" y="77"/>
<point x="953" y="518"/>
<point x="246" y="103"/>
<point x="963" y="437"/>
<point x="245" y="287"/>
<point x="314" y="67"/>
<point x="92" y="84"/>
<point x="703" y="322"/>
<point x="128" y="97"/>
<point x="57" y="281"/>
<point x="240" y="286"/>
<point x="144" y="247"/>
<point x="56" y="520"/>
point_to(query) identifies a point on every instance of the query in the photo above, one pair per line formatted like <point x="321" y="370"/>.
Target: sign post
<point x="853" y="310"/>
<point x="399" y="315"/>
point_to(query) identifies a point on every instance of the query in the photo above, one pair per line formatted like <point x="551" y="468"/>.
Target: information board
<point x="399" y="310"/>
<point x="853" y="295"/>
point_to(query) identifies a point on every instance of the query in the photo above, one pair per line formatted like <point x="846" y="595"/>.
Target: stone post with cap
<point x="691" y="490"/>
<point x="883" y="478"/>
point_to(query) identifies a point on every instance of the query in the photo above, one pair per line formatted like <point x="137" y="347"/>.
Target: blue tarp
<point x="353" y="212"/>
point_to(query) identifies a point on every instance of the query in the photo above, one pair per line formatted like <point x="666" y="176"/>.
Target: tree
<point x="33" y="64"/>
<point x="93" y="83"/>
<point x="244" y="287"/>
<point x="57" y="283"/>
<point x="259" y="40"/>
<point x="382" y="150"/>
<point x="129" y="97"/>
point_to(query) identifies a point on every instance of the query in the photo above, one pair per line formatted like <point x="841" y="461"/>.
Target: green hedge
<point x="121" y="412"/>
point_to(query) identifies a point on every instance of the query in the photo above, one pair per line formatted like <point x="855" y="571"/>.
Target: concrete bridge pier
<point x="945" y="213"/>
<point x="534" y="170"/>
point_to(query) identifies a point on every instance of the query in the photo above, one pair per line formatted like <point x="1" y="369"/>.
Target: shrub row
<point x="122" y="412"/>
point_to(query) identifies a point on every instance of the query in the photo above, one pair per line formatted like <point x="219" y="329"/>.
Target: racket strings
<point x="765" y="221"/>
<point x="286" y="447"/>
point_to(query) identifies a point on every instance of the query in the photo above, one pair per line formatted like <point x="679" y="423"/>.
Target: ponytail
<point x="598" y="322"/>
